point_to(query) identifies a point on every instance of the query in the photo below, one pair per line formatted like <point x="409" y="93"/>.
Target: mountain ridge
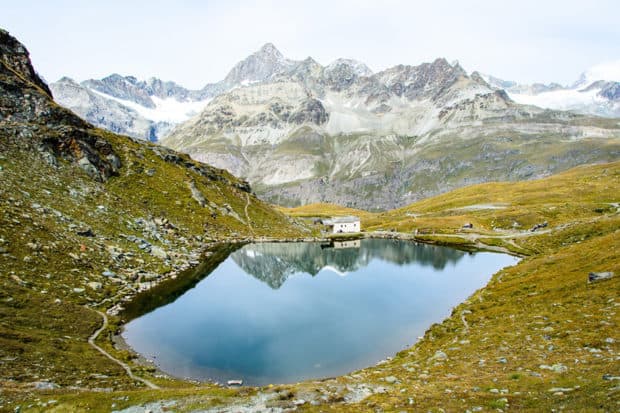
<point x="264" y="64"/>
<point x="371" y="141"/>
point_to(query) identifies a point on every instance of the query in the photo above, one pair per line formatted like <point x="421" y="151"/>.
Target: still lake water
<point x="280" y="313"/>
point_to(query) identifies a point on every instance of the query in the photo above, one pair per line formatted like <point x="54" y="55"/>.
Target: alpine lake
<point x="285" y="312"/>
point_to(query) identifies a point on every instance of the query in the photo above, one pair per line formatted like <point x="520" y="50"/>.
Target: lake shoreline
<point x="210" y="254"/>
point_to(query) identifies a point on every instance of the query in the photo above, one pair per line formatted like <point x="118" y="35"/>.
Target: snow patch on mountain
<point x="166" y="110"/>
<point x="567" y="99"/>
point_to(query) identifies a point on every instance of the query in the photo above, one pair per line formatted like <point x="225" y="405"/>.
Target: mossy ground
<point x="538" y="337"/>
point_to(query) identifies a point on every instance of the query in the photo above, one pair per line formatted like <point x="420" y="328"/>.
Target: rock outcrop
<point x="26" y="102"/>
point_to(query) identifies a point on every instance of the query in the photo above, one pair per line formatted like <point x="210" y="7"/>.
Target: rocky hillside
<point x="302" y="133"/>
<point x="92" y="218"/>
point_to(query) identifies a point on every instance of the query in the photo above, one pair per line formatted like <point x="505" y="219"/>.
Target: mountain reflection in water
<point x="281" y="313"/>
<point x="273" y="263"/>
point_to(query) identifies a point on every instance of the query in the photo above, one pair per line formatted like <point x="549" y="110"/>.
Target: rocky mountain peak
<point x="269" y="49"/>
<point x="441" y="65"/>
<point x="342" y="73"/>
<point x="422" y="81"/>
<point x="258" y="67"/>
<point x="166" y="89"/>
<point x="66" y="79"/>
<point x="308" y="64"/>
<point x="307" y="71"/>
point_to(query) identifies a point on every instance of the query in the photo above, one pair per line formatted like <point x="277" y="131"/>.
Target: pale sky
<point x="196" y="42"/>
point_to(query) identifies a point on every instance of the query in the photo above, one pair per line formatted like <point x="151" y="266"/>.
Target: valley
<point x="97" y="228"/>
<point x="301" y="132"/>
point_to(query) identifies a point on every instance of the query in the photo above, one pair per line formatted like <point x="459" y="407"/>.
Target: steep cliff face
<point x="26" y="106"/>
<point x="16" y="58"/>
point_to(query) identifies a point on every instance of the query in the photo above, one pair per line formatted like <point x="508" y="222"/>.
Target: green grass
<point x="44" y="323"/>
<point x="322" y="210"/>
<point x="540" y="312"/>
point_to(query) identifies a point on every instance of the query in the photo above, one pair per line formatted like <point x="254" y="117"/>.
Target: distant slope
<point x="322" y="210"/>
<point x="584" y="193"/>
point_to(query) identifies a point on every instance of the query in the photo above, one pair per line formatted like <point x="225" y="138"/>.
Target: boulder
<point x="86" y="232"/>
<point x="599" y="276"/>
<point x="159" y="252"/>
<point x="94" y="285"/>
<point x="45" y="385"/>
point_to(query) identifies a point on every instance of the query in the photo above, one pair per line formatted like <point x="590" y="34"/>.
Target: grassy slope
<point x="70" y="244"/>
<point x="493" y="351"/>
<point x="43" y="321"/>
<point x="578" y="195"/>
<point x="322" y="210"/>
<point x="394" y="169"/>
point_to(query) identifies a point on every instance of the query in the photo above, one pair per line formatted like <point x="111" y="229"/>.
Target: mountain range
<point x="301" y="132"/>
<point x="149" y="109"/>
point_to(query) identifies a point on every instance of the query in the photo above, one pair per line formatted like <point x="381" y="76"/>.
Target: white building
<point x="342" y="225"/>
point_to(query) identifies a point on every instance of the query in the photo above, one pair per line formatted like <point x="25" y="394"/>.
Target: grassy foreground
<point x="538" y="337"/>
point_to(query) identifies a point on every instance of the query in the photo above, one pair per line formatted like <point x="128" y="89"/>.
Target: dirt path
<point x="91" y="341"/>
<point x="465" y="324"/>
<point x="247" y="215"/>
<point x="474" y="236"/>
